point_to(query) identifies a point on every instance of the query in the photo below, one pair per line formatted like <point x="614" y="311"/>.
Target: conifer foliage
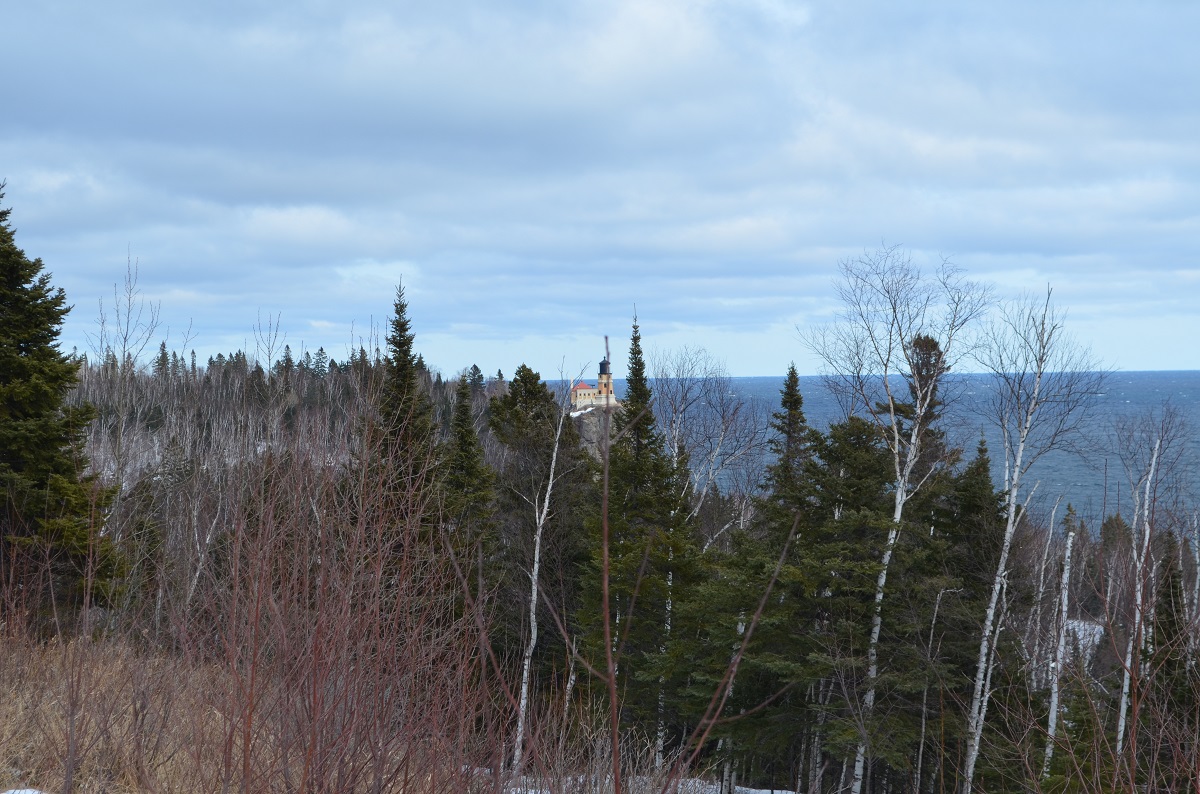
<point x="653" y="553"/>
<point x="406" y="410"/>
<point x="468" y="480"/>
<point x="48" y="508"/>
<point x="364" y="560"/>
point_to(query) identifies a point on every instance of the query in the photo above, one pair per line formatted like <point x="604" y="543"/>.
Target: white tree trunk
<point x="660" y="733"/>
<point x="527" y="658"/>
<point x="1195" y="613"/>
<point x="1014" y="468"/>
<point x="1033" y="636"/>
<point x="937" y="605"/>
<point x="1064" y="596"/>
<point x="978" y="707"/>
<point x="860" y="755"/>
<point x="1140" y="553"/>
<point x="541" y="514"/>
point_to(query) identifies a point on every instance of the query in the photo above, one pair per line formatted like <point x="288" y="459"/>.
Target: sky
<point x="535" y="172"/>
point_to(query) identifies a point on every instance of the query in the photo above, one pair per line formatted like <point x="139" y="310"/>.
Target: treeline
<point x="375" y="579"/>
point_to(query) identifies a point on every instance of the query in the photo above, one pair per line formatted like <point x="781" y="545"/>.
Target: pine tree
<point x="475" y="378"/>
<point x="525" y="421"/>
<point x="49" y="508"/>
<point x="640" y="443"/>
<point x="1175" y="681"/>
<point x="285" y="366"/>
<point x="776" y="659"/>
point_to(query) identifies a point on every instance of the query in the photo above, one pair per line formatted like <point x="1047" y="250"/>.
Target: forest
<point x="278" y="572"/>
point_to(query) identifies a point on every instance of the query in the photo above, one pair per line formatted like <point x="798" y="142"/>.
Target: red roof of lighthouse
<point x="580" y="385"/>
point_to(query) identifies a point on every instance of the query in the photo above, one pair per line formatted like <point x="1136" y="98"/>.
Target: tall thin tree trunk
<point x="1195" y="603"/>
<point x="1064" y="597"/>
<point x="527" y="658"/>
<point x="868" y="706"/>
<point x="660" y="733"/>
<point x="541" y="514"/>
<point x="978" y="707"/>
<point x="1140" y="553"/>
<point x="1033" y="636"/>
<point x="937" y="605"/>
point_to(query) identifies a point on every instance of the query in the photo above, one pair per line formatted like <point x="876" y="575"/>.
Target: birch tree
<point x="714" y="438"/>
<point x="1043" y="388"/>
<point x="1064" y="601"/>
<point x="899" y="332"/>
<point x="1150" y="451"/>
<point x="707" y="426"/>
<point x="124" y="331"/>
<point x="542" y="470"/>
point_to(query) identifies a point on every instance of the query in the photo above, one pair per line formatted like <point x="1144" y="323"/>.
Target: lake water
<point x="1092" y="478"/>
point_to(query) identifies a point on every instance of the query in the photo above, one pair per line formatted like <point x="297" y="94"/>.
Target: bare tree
<point x="1043" y="389"/>
<point x="717" y="432"/>
<point x="900" y="332"/>
<point x="1150" y="451"/>
<point x="124" y="331"/>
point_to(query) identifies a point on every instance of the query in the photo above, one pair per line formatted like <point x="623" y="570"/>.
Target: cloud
<point x="532" y="170"/>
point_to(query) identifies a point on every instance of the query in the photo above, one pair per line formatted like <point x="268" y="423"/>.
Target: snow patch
<point x="1087" y="634"/>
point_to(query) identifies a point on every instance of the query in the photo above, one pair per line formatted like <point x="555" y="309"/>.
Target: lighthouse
<point x="586" y="397"/>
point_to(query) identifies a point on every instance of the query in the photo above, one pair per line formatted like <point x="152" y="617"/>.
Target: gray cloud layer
<point x="532" y="170"/>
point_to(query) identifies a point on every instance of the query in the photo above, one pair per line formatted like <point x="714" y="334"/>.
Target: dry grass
<point x="87" y="717"/>
<point x="101" y="716"/>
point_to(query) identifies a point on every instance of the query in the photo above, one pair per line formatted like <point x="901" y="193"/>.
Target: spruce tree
<point x="788" y="491"/>
<point x="640" y="441"/>
<point x="525" y="421"/>
<point x="407" y="414"/>
<point x="468" y="480"/>
<point x="777" y="657"/>
<point x="653" y="555"/>
<point x="49" y="507"/>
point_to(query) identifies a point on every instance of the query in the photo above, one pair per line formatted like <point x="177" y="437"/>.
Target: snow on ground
<point x="641" y="784"/>
<point x="1087" y="635"/>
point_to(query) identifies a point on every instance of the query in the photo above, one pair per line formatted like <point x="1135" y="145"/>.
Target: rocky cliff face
<point x="589" y="423"/>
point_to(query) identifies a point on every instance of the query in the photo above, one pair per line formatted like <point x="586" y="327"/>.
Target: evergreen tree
<point x="49" y="507"/>
<point x="475" y="378"/>
<point x="286" y="364"/>
<point x="777" y="657"/>
<point x="640" y="443"/>
<point x="468" y="481"/>
<point x="407" y="413"/>
<point x="787" y="486"/>
<point x="320" y="366"/>
<point x="653" y="556"/>
<point x="162" y="362"/>
<point x="1174" y="705"/>
<point x="974" y="528"/>
<point x="525" y="420"/>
